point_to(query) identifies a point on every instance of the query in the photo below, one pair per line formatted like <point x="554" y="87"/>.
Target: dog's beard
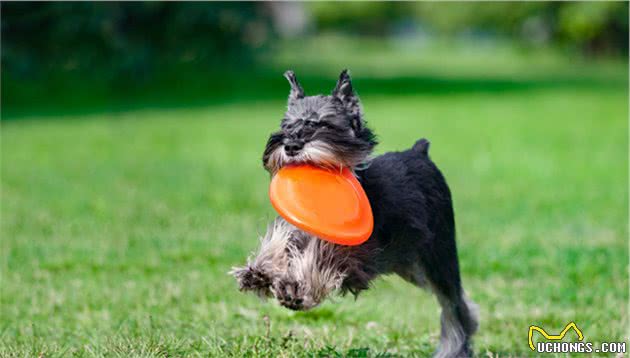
<point x="300" y="276"/>
<point x="316" y="152"/>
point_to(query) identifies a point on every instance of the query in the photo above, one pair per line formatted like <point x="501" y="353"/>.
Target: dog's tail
<point x="421" y="146"/>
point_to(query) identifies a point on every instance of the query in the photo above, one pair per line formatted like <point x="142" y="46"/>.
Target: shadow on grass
<point x="321" y="314"/>
<point x="84" y="96"/>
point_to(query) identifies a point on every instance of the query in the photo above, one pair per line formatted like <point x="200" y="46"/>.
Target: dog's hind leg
<point x="458" y="323"/>
<point x="459" y="315"/>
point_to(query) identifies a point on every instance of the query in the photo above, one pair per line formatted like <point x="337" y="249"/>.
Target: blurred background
<point x="89" y="56"/>
<point x="131" y="176"/>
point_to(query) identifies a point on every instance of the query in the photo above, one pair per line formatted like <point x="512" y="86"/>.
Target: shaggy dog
<point x="414" y="227"/>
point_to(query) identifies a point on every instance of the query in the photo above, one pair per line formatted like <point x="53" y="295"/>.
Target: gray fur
<point x="292" y="265"/>
<point x="455" y="334"/>
<point x="297" y="92"/>
<point x="321" y="130"/>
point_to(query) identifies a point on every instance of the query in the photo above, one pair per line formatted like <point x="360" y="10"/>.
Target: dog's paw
<point x="252" y="279"/>
<point x="289" y="294"/>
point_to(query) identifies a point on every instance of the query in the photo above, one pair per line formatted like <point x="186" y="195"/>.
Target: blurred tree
<point x="128" y="40"/>
<point x="368" y="18"/>
<point x="600" y="27"/>
<point x="499" y="17"/>
<point x="68" y="54"/>
<point x="593" y="27"/>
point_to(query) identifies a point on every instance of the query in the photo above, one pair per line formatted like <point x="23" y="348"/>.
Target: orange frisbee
<point x="327" y="203"/>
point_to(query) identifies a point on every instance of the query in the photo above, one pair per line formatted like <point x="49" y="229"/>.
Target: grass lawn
<point x="118" y="229"/>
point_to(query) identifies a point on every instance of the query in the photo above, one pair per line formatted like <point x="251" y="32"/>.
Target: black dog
<point x="414" y="228"/>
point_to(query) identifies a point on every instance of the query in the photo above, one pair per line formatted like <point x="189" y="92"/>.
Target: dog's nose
<point x="293" y="148"/>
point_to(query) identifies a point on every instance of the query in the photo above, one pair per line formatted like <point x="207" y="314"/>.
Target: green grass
<point x="118" y="229"/>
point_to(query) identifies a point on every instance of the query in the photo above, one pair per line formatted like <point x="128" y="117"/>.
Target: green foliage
<point x="87" y="56"/>
<point x="453" y="17"/>
<point x="372" y="18"/>
<point x="127" y="41"/>
<point x="592" y="25"/>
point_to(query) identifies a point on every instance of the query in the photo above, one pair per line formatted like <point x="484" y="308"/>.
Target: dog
<point x="414" y="226"/>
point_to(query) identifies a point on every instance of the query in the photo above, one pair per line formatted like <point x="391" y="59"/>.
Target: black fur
<point x="413" y="216"/>
<point x="413" y="225"/>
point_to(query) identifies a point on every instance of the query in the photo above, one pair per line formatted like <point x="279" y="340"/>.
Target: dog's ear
<point x="343" y="89"/>
<point x="345" y="93"/>
<point x="296" y="90"/>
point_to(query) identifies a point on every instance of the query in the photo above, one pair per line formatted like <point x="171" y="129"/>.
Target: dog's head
<point x="321" y="130"/>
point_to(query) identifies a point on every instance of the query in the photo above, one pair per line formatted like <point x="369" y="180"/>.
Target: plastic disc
<point x="328" y="203"/>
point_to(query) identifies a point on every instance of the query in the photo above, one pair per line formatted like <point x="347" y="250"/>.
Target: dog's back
<point x="407" y="192"/>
